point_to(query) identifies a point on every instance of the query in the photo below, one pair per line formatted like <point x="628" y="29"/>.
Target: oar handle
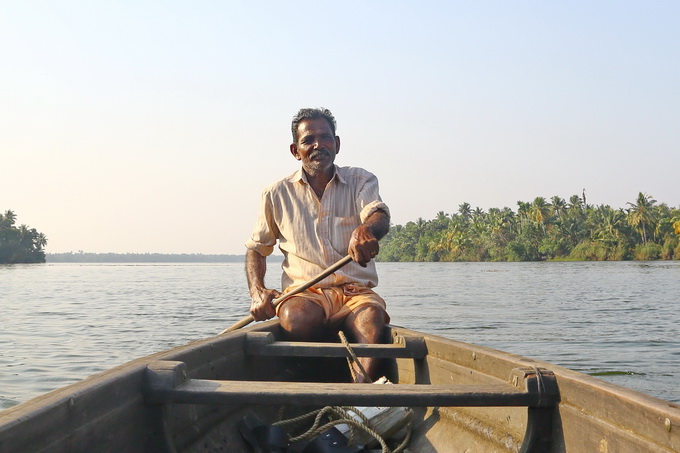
<point x="333" y="268"/>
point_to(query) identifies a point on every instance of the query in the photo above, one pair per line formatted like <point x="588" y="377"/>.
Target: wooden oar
<point x="334" y="267"/>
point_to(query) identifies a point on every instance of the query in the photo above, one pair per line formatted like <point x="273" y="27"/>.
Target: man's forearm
<point x="363" y="245"/>
<point x="261" y="306"/>
<point x="256" y="268"/>
<point x="378" y="223"/>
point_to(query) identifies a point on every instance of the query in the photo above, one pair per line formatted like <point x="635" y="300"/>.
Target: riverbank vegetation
<point x="84" y="257"/>
<point x="20" y="244"/>
<point x="557" y="229"/>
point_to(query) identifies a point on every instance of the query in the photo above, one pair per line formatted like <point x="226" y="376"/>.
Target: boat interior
<point x="236" y="392"/>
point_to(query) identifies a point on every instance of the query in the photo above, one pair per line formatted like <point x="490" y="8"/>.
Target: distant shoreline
<point x="84" y="257"/>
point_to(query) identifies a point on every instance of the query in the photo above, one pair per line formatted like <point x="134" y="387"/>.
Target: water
<point x="616" y="320"/>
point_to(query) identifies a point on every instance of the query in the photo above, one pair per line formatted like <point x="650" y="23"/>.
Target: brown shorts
<point x="339" y="301"/>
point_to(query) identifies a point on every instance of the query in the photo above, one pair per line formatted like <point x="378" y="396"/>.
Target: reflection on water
<point x="63" y="322"/>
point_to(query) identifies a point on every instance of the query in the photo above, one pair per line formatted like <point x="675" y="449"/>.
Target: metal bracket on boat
<point x="537" y="381"/>
<point x="543" y="384"/>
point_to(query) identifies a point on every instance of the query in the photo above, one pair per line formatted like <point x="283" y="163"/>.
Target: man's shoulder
<point x="355" y="173"/>
<point x="283" y="182"/>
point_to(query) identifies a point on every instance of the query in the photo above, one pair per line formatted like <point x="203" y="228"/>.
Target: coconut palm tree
<point x="441" y="221"/>
<point x="465" y="210"/>
<point x="641" y="214"/>
<point x="539" y="210"/>
<point x="608" y="224"/>
<point x="9" y="218"/>
<point x="559" y="206"/>
<point x="575" y="203"/>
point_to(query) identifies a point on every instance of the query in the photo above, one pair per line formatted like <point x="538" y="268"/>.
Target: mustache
<point x="319" y="153"/>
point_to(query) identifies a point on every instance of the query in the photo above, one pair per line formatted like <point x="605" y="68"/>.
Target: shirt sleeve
<point x="368" y="199"/>
<point x="265" y="232"/>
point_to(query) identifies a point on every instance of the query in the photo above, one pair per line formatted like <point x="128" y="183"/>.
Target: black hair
<point x="311" y="114"/>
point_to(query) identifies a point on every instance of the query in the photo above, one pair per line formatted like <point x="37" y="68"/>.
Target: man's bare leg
<point x="367" y="325"/>
<point x="301" y="319"/>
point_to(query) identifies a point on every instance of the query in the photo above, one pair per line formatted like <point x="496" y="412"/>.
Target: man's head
<point x="311" y="114"/>
<point x="315" y="143"/>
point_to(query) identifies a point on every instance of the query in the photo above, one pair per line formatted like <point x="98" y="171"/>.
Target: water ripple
<point x="615" y="321"/>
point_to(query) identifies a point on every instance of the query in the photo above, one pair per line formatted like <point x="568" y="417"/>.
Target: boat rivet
<point x="667" y="422"/>
<point x="335" y="443"/>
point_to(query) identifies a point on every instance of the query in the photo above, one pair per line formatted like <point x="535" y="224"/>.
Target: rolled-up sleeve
<point x="368" y="200"/>
<point x="265" y="232"/>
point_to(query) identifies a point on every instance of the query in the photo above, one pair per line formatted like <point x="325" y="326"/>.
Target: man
<point x="319" y="214"/>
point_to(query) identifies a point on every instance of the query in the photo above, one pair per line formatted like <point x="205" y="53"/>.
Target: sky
<point x="148" y="126"/>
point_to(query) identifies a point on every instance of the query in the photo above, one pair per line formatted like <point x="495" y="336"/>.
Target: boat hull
<point x="116" y="410"/>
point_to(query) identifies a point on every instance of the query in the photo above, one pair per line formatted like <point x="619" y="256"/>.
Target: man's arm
<point x="261" y="307"/>
<point x="363" y="245"/>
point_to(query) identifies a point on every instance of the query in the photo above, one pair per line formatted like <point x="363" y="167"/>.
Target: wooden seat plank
<point x="264" y="344"/>
<point x="297" y="349"/>
<point x="328" y="394"/>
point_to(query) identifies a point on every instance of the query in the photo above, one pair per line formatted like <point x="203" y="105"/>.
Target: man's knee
<point x="301" y="319"/>
<point x="371" y="315"/>
<point x="368" y="324"/>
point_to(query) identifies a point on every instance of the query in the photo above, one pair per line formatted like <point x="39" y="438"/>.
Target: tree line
<point x="558" y="229"/>
<point x="85" y="257"/>
<point x="20" y="244"/>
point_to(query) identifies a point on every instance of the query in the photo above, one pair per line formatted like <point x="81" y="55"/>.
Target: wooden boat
<point x="465" y="398"/>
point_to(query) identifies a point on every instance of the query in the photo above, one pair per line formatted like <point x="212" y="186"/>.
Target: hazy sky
<point x="140" y="126"/>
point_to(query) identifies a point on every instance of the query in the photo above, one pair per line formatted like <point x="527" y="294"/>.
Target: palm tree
<point x="7" y="220"/>
<point x="523" y="209"/>
<point x="539" y="210"/>
<point x="559" y="206"/>
<point x="441" y="222"/>
<point x="608" y="224"/>
<point x="40" y="240"/>
<point x="641" y="214"/>
<point x="575" y="203"/>
<point x="465" y="210"/>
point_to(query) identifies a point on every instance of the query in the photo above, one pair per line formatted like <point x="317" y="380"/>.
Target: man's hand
<point x="261" y="297"/>
<point x="363" y="246"/>
<point x="261" y="307"/>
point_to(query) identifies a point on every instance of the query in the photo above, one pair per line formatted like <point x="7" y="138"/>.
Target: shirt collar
<point x="301" y="176"/>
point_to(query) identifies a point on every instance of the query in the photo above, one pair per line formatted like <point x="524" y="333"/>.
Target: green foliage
<point x="521" y="250"/>
<point x="20" y="244"/>
<point x="670" y="244"/>
<point x="540" y="230"/>
<point x="599" y="251"/>
<point x="648" y="252"/>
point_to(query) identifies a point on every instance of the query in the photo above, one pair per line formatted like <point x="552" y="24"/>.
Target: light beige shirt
<point x="313" y="234"/>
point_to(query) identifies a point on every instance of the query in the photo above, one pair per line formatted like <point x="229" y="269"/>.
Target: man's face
<point x="316" y="146"/>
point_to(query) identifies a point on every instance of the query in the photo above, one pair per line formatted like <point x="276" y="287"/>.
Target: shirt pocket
<point x="341" y="232"/>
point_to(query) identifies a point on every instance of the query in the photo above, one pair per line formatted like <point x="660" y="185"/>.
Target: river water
<point x="616" y="320"/>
